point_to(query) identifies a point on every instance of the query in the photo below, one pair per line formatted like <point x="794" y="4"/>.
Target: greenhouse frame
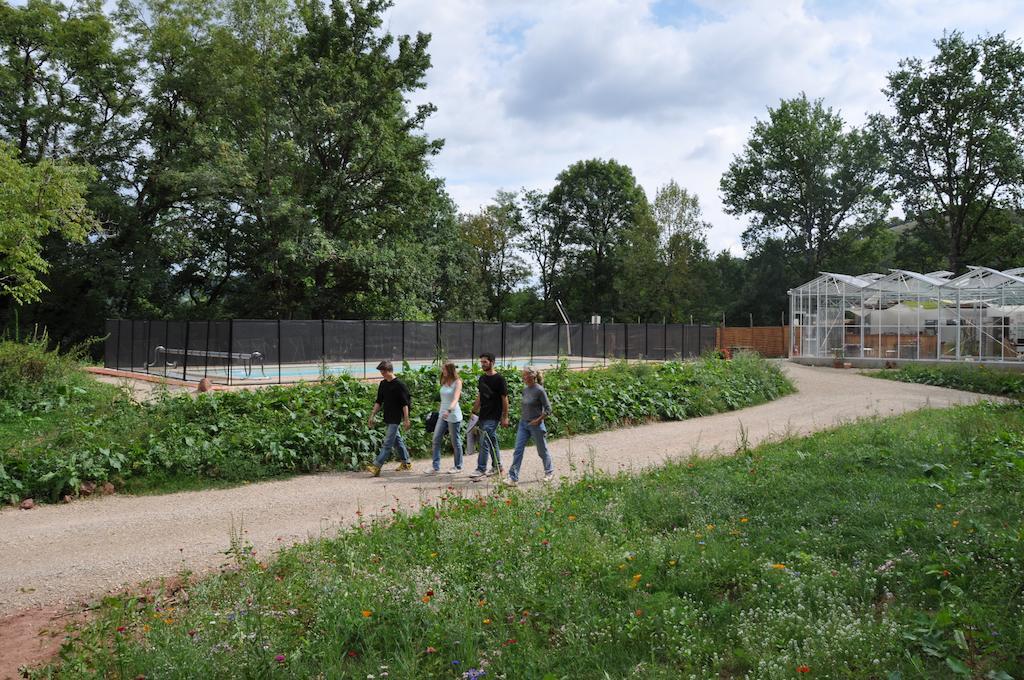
<point x="904" y="315"/>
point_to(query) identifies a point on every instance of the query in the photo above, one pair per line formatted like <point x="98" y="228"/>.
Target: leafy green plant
<point x="95" y="434"/>
<point x="1004" y="383"/>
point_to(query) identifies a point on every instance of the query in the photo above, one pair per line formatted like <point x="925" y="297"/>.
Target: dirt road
<point x="62" y="554"/>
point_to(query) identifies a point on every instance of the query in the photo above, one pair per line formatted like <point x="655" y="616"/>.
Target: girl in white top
<point x="449" y="417"/>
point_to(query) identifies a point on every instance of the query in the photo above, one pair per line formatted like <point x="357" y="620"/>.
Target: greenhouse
<point x="904" y="315"/>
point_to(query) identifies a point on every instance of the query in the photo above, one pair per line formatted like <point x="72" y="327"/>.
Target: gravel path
<point x="62" y="554"/>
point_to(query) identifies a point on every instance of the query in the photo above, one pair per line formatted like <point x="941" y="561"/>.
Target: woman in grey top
<point x="535" y="407"/>
<point x="449" y="417"/>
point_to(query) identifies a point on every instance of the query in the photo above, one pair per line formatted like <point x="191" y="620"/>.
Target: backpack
<point x="430" y="421"/>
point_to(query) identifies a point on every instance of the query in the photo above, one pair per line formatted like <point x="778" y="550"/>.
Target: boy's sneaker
<point x="510" y="482"/>
<point x="432" y="471"/>
<point x="491" y="472"/>
<point x="404" y="467"/>
<point x="549" y="477"/>
<point x="455" y="471"/>
<point x="373" y="470"/>
<point x="476" y="474"/>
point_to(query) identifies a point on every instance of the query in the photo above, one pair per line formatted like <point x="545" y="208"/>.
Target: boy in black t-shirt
<point x="393" y="398"/>
<point x="492" y="404"/>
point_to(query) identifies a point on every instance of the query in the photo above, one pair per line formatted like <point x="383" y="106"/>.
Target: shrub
<point x="34" y="378"/>
<point x="1000" y="382"/>
<point x="278" y="430"/>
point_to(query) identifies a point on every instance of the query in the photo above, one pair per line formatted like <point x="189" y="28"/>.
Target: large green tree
<point x="36" y="201"/>
<point x="802" y="176"/>
<point x="955" y="140"/>
<point x="493" y="236"/>
<point x="255" y="158"/>
<point x="596" y="203"/>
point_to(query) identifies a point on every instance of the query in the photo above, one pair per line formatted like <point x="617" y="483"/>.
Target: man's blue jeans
<point x="488" y="438"/>
<point x="523" y="434"/>
<point x="455" y="432"/>
<point x="392" y="438"/>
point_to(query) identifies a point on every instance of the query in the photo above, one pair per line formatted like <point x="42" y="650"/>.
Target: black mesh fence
<point x="257" y="351"/>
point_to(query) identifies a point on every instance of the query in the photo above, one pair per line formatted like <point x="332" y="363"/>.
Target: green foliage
<point x="883" y="549"/>
<point x="492" y="236"/>
<point x="36" y="201"/>
<point x="247" y="435"/>
<point x="35" y="379"/>
<point x="595" y="204"/>
<point x="1004" y="383"/>
<point x="805" y="178"/>
<point x="955" y="141"/>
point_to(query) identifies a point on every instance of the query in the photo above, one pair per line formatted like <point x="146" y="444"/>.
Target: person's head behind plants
<point x="386" y="369"/>
<point x="449" y="374"/>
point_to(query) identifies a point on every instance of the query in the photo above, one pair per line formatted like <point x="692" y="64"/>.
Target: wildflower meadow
<point x="885" y="549"/>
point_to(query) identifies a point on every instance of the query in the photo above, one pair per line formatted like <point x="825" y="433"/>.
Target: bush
<point x="1004" y="383"/>
<point x="35" y="379"/>
<point x="279" y="430"/>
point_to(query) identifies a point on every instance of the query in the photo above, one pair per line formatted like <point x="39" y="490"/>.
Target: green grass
<point x="885" y="549"/>
<point x="1004" y="383"/>
<point x="91" y="432"/>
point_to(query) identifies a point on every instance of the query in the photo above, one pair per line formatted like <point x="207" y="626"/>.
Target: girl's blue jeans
<point x="455" y="432"/>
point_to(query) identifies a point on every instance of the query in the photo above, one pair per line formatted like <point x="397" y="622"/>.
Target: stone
<point x="27" y="504"/>
<point x="68" y="498"/>
<point x="87" y="488"/>
<point x="205" y="385"/>
<point x="107" y="488"/>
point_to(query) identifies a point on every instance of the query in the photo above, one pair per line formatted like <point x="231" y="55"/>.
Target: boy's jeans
<point x="523" y="434"/>
<point x="488" y="438"/>
<point x="392" y="438"/>
<point x="455" y="432"/>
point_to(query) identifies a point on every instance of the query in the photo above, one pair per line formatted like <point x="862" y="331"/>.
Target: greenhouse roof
<point x="904" y="280"/>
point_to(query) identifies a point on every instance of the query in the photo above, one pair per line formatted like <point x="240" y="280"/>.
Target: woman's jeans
<point x="454" y="431"/>
<point x="392" y="437"/>
<point x="524" y="433"/>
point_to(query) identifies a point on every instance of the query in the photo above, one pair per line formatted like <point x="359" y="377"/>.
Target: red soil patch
<point x="33" y="637"/>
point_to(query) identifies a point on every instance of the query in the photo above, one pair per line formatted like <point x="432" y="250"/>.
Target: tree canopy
<point x="804" y="177"/>
<point x="35" y="202"/>
<point x="955" y="141"/>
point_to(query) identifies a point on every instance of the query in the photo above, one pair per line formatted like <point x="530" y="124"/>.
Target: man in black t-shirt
<point x="492" y="405"/>
<point x="393" y="398"/>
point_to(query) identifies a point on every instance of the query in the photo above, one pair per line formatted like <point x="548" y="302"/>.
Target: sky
<point x="671" y="88"/>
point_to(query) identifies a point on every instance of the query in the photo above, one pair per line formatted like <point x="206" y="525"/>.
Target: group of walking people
<point x="490" y="411"/>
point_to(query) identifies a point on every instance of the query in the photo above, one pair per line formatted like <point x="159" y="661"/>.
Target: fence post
<point x="206" y="367"/>
<point x="437" y="340"/>
<point x="279" y="350"/>
<point x="149" y="337"/>
<point x="403" y="341"/>
<point x="532" y="331"/>
<point x="167" y="339"/>
<point x="131" y="346"/>
<point x="604" y="342"/>
<point x="664" y="346"/>
<point x="231" y="347"/>
<point x="502" y="342"/>
<point x="626" y="328"/>
<point x="184" y="362"/>
<point x="364" y="349"/>
<point x="472" y="341"/>
<point x="323" y="344"/>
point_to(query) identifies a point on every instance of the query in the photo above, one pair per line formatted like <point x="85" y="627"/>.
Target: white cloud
<point x="526" y="88"/>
